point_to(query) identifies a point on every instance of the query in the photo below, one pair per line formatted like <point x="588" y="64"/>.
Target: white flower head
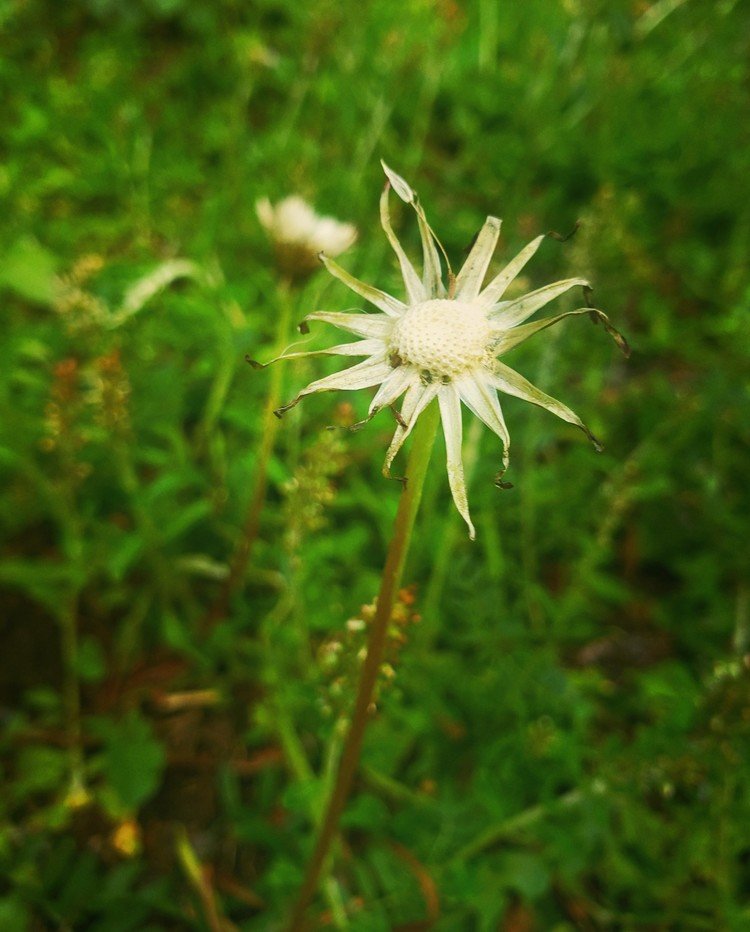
<point x="444" y="342"/>
<point x="300" y="235"/>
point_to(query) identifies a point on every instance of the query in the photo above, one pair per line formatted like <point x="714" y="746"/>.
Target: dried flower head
<point x="299" y="235"/>
<point x="444" y="343"/>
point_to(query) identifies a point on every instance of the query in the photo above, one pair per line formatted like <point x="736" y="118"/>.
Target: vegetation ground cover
<point x="562" y="739"/>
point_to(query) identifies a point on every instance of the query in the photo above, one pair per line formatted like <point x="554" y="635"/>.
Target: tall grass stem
<point x="242" y="555"/>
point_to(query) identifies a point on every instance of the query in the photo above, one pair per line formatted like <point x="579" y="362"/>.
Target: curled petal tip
<point x="280" y="412"/>
<point x="553" y="234"/>
<point x="622" y="344"/>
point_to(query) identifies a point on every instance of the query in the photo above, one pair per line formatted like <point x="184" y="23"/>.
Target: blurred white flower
<point x="300" y="235"/>
<point x="443" y="343"/>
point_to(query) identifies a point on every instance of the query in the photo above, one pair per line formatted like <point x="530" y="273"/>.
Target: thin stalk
<point x="270" y="426"/>
<point x="71" y="690"/>
<point x="424" y="436"/>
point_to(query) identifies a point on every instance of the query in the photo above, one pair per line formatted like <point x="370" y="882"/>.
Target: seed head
<point x="442" y="344"/>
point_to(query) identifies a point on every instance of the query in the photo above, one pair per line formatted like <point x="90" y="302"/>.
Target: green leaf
<point x="525" y="873"/>
<point x="29" y="270"/>
<point x="13" y="914"/>
<point x="40" y="770"/>
<point x="132" y="761"/>
<point x="90" y="662"/>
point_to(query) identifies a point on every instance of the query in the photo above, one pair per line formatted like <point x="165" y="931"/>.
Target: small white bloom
<point x="299" y="234"/>
<point x="444" y="343"/>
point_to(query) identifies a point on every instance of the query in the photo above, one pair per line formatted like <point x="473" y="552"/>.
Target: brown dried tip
<point x="303" y="326"/>
<point x="563" y="239"/>
<point x="622" y="344"/>
<point x="598" y="316"/>
<point x="254" y="363"/>
<point x="280" y="412"/>
<point x="597" y="444"/>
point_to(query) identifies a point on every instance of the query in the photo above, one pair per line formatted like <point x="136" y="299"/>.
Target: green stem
<point x="71" y="690"/>
<point x="270" y="426"/>
<point x="424" y="436"/>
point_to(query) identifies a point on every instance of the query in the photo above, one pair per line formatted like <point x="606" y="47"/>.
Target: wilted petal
<point x="512" y="383"/>
<point x="380" y="299"/>
<point x="507" y="339"/>
<point x="431" y="275"/>
<point x="518" y="311"/>
<point x="414" y="287"/>
<point x="496" y="288"/>
<point x="432" y="279"/>
<point x="360" y="348"/>
<point x="450" y="414"/>
<point x="417" y="397"/>
<point x="481" y="399"/>
<point x="471" y="276"/>
<point x="364" y="325"/>
<point x="399" y="185"/>
<point x="363" y="375"/>
<point x="393" y="387"/>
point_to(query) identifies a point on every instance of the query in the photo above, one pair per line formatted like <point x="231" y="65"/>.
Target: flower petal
<point x="380" y="299"/>
<point x="359" y="348"/>
<point x="510" y="315"/>
<point x="496" y="288"/>
<point x="399" y="185"/>
<point x="414" y="287"/>
<point x="431" y="274"/>
<point x="511" y="382"/>
<point x="393" y="387"/>
<point x="432" y="278"/>
<point x="362" y="375"/>
<point x="450" y="414"/>
<point x="417" y="397"/>
<point x="481" y="399"/>
<point x="470" y="278"/>
<point x="364" y="325"/>
<point x="507" y="339"/>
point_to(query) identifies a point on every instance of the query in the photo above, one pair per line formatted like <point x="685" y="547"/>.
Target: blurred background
<point x="562" y="738"/>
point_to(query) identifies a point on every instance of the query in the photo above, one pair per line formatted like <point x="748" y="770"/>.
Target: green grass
<point x="565" y="742"/>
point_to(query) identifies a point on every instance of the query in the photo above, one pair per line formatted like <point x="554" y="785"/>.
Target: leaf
<point x="40" y="770"/>
<point x="29" y="270"/>
<point x="525" y="873"/>
<point x="90" y="663"/>
<point x="132" y="761"/>
<point x="13" y="914"/>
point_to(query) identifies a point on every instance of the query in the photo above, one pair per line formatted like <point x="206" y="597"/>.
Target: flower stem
<point x="424" y="436"/>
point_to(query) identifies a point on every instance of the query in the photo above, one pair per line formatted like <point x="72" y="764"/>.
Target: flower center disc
<point x="442" y="336"/>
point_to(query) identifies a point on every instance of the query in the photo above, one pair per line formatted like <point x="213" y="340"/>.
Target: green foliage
<point x="565" y="741"/>
<point x="132" y="759"/>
